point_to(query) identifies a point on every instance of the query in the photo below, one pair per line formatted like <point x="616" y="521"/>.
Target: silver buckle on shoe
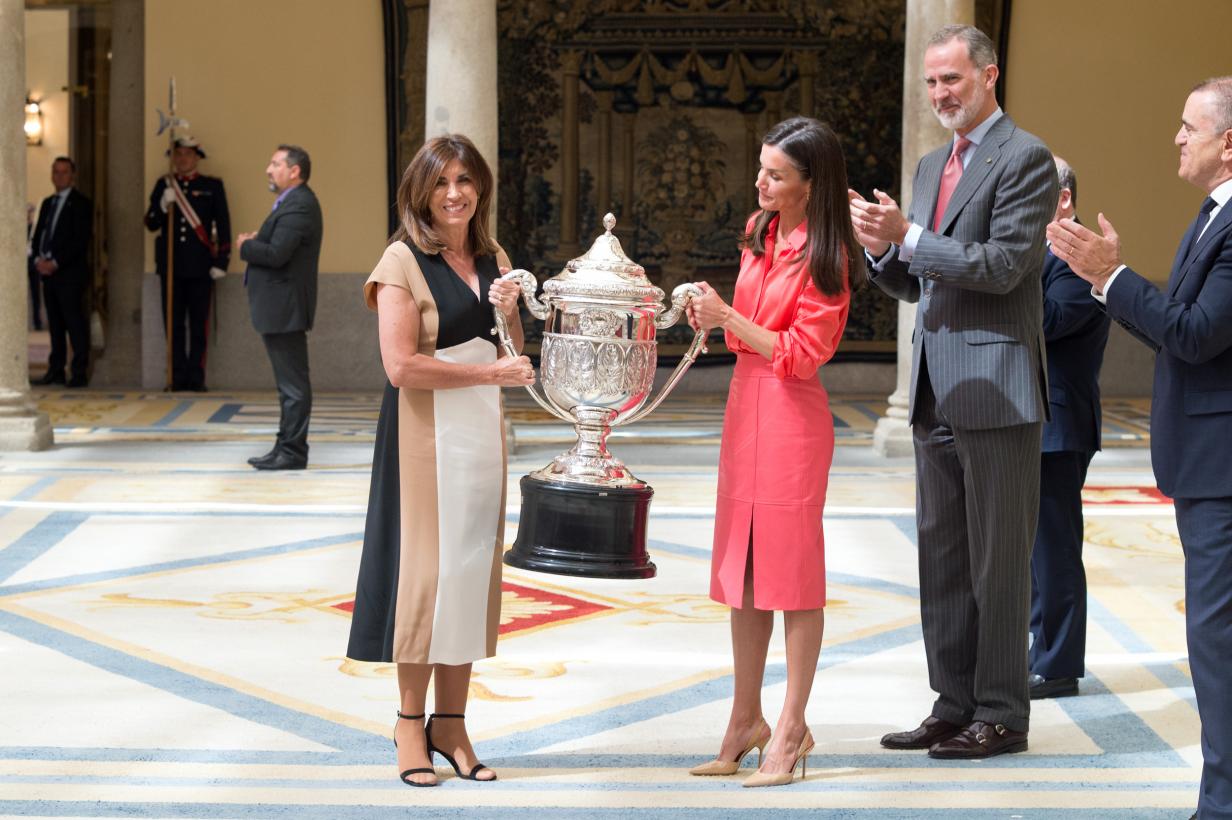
<point x="1001" y="730"/>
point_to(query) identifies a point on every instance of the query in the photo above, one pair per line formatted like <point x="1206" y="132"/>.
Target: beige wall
<point x="46" y="76"/>
<point x="1103" y="83"/>
<point x="253" y="73"/>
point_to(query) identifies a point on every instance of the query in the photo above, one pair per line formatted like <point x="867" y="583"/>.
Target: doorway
<point x="68" y="59"/>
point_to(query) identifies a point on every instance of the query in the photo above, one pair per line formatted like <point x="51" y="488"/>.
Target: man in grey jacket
<point x="969" y="253"/>
<point x="281" y="279"/>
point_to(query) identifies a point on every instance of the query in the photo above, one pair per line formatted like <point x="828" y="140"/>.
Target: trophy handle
<point x="526" y="280"/>
<point x="680" y="298"/>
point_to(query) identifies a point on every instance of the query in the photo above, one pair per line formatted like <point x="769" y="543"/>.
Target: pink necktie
<point x="949" y="180"/>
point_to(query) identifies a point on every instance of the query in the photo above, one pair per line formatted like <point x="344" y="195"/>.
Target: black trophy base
<point x="569" y="529"/>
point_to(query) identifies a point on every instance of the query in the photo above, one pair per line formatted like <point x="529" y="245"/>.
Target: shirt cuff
<point x="1102" y="298"/>
<point x="877" y="263"/>
<point x="909" y="242"/>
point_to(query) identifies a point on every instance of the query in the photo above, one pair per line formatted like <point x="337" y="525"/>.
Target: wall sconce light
<point x="34" y="122"/>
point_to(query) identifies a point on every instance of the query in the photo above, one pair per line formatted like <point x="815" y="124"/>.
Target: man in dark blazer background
<point x="1189" y="326"/>
<point x="60" y="247"/>
<point x="969" y="252"/>
<point x="281" y="279"/>
<point x="1076" y="332"/>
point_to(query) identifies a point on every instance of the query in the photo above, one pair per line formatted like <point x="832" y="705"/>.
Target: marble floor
<point x="173" y="623"/>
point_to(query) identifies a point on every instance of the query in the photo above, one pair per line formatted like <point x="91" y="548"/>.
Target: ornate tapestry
<point x="655" y="109"/>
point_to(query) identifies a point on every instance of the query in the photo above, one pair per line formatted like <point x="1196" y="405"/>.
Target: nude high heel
<point x="759" y="778"/>
<point x="715" y="767"/>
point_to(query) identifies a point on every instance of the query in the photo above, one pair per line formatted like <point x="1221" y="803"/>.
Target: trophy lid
<point x="605" y="264"/>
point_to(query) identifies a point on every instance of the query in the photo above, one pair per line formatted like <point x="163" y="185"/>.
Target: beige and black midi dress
<point x="430" y="572"/>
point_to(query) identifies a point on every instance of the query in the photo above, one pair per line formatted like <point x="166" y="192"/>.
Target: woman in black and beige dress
<point x="428" y="595"/>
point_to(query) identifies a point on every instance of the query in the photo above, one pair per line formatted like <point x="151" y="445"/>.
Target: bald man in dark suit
<point x="1188" y="324"/>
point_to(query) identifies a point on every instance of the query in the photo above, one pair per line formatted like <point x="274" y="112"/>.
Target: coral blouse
<point x="777" y="292"/>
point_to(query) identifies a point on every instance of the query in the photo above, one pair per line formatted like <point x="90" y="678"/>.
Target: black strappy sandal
<point x="405" y="776"/>
<point x="432" y="749"/>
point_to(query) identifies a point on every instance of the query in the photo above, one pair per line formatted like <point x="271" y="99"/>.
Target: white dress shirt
<point x="1221" y="195"/>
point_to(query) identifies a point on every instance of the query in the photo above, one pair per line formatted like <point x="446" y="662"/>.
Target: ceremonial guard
<point x="200" y="235"/>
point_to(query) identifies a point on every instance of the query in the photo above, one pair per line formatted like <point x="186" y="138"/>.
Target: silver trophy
<point x="585" y="513"/>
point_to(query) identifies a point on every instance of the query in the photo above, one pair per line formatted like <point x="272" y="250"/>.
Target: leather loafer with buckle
<point x="1041" y="687"/>
<point x="980" y="740"/>
<point x="933" y="730"/>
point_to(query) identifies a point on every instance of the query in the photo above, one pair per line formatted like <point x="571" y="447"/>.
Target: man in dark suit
<point x="282" y="297"/>
<point x="1076" y="331"/>
<point x="60" y="247"/>
<point x="1189" y="326"/>
<point x="201" y="242"/>
<point x="969" y="253"/>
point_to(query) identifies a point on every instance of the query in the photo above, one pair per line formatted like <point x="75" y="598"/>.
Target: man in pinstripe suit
<point x="969" y="252"/>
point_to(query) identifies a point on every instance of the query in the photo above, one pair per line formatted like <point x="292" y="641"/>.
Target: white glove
<point x="217" y="273"/>
<point x="168" y="198"/>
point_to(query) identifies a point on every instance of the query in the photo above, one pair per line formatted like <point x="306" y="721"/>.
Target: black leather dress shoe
<point x="931" y="731"/>
<point x="282" y="461"/>
<point x="78" y="381"/>
<point x="270" y="456"/>
<point x="50" y="377"/>
<point x="1041" y="687"/>
<point x="980" y="740"/>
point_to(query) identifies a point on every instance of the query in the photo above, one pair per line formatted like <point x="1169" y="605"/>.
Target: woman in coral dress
<point x="798" y="265"/>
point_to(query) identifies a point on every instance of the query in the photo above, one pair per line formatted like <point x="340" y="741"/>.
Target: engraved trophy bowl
<point x="585" y="513"/>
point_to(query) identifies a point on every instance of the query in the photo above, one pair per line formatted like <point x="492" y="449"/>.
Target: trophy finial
<point x="609" y="221"/>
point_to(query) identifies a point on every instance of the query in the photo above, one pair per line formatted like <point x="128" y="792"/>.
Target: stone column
<point x="22" y="426"/>
<point x="571" y="65"/>
<point x="120" y="364"/>
<point x="807" y="64"/>
<point x="460" y="96"/>
<point x="921" y="134"/>
<point x="603" y="188"/>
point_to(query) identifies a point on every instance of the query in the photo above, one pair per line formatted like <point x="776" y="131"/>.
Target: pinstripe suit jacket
<point x="977" y="282"/>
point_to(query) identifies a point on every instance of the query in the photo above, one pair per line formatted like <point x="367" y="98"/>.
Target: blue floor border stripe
<point x="183" y="563"/>
<point x="37" y="540"/>
<point x="181" y="684"/>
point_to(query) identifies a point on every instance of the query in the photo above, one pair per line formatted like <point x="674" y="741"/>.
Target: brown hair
<point x="415" y="195"/>
<point x="814" y="150"/>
